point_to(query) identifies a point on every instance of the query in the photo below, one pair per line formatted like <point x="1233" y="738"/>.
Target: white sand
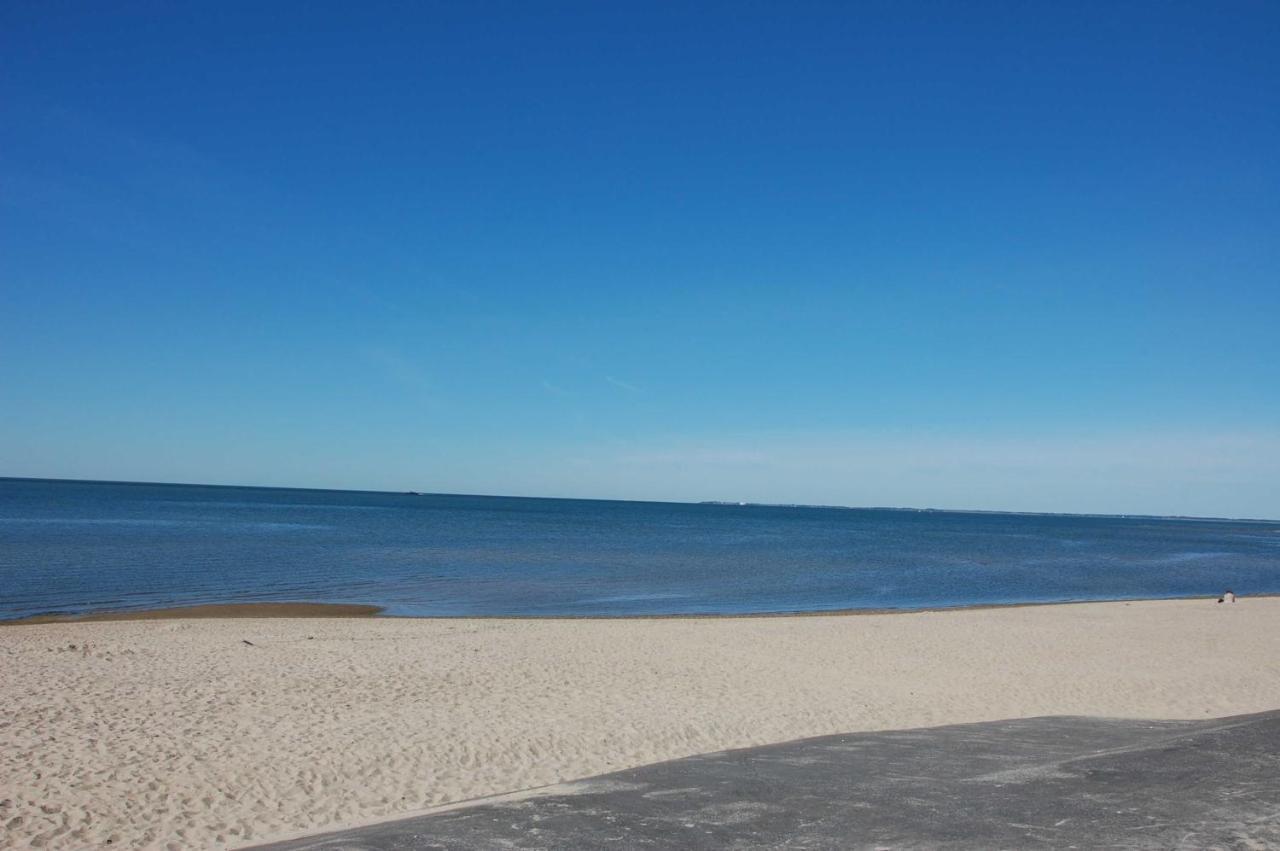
<point x="177" y="734"/>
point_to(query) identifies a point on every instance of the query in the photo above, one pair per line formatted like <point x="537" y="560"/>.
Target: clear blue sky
<point x="1009" y="256"/>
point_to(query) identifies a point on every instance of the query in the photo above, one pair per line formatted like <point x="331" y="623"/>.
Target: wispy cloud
<point x="395" y="367"/>
<point x="698" y="456"/>
<point x="134" y="189"/>
<point x="1139" y="471"/>
<point x="554" y="389"/>
<point x="616" y="382"/>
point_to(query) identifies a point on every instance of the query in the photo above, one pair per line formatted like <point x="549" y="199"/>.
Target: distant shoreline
<point x="292" y="610"/>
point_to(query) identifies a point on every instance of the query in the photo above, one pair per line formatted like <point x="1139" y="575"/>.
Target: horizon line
<point x="721" y="503"/>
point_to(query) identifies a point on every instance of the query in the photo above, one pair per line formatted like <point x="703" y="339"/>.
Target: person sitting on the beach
<point x="1230" y="596"/>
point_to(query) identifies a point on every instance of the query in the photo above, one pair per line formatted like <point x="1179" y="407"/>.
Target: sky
<point x="1015" y="256"/>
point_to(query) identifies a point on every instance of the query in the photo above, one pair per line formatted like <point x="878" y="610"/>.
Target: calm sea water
<point x="74" y="546"/>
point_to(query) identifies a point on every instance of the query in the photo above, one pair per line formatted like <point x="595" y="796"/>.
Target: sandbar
<point x="213" y="610"/>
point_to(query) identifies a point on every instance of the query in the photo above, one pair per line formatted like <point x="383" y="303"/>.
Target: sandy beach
<point x="192" y="733"/>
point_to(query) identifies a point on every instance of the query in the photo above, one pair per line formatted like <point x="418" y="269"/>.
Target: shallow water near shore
<point x="70" y="547"/>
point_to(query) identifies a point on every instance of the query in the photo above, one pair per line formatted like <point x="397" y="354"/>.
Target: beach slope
<point x="221" y="732"/>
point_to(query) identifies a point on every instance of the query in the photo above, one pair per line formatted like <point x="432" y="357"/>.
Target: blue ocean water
<point x="78" y="546"/>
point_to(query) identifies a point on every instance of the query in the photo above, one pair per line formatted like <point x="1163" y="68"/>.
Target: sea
<point x="73" y="547"/>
